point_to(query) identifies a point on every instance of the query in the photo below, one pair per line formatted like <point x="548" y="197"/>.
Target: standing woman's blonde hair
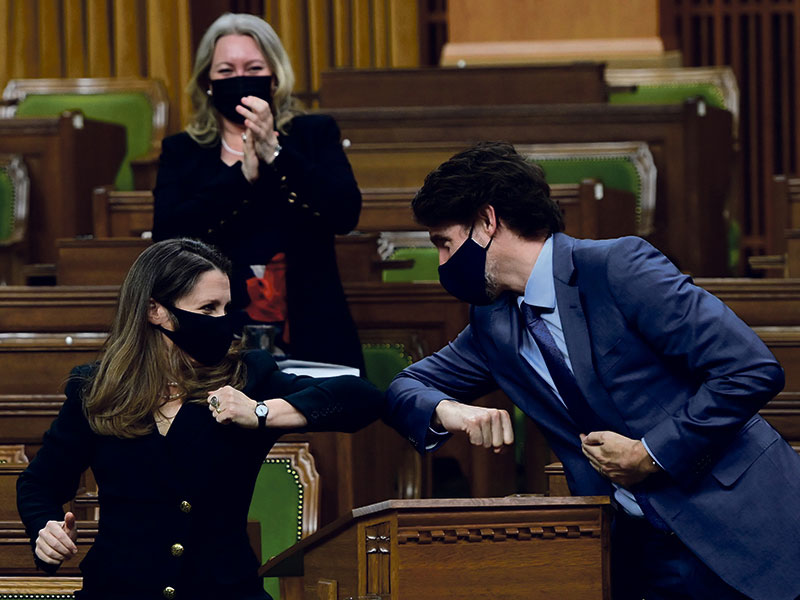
<point x="204" y="128"/>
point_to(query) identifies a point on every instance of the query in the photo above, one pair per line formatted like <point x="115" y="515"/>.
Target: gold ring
<point x="214" y="401"/>
<point x="218" y="409"/>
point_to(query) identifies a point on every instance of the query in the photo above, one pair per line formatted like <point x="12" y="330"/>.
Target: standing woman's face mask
<point x="238" y="69"/>
<point x="204" y="331"/>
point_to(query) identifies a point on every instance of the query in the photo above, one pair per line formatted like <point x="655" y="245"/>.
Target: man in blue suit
<point x="645" y="386"/>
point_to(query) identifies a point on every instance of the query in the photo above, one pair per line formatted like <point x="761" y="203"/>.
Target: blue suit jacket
<point x="656" y="358"/>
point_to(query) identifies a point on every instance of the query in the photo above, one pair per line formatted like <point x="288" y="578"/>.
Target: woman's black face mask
<point x="205" y="338"/>
<point x="227" y="94"/>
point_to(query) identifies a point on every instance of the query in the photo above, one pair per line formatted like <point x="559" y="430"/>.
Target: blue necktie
<point x="586" y="419"/>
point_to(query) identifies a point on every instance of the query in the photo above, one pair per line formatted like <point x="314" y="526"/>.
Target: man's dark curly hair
<point x="489" y="173"/>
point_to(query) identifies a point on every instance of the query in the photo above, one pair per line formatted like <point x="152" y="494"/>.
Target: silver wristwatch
<point x="262" y="410"/>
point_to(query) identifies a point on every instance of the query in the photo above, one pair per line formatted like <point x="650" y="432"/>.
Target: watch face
<point x="261" y="410"/>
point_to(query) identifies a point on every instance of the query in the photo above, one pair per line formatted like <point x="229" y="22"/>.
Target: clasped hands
<point x="620" y="459"/>
<point x="260" y="140"/>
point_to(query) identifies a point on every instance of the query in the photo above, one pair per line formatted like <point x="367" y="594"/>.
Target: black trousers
<point x="653" y="565"/>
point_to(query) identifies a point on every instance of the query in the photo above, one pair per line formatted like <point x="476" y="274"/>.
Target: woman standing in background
<point x="269" y="186"/>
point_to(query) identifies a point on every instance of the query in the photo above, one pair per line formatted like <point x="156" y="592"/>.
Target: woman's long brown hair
<point x="131" y="380"/>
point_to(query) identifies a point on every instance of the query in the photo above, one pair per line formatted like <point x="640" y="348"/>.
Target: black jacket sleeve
<point x="345" y="403"/>
<point x="52" y="478"/>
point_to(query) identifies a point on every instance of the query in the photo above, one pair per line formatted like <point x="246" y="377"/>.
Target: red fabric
<point x="268" y="295"/>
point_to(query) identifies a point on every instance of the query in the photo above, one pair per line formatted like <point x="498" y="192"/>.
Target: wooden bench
<point x="66" y="157"/>
<point x="39" y="363"/>
<point x="692" y="147"/>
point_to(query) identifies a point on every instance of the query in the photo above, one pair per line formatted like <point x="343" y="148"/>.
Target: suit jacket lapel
<point x="507" y="329"/>
<point x="576" y="335"/>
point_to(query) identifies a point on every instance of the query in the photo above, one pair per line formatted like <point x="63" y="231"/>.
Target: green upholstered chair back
<point x="383" y="361"/>
<point x="425" y="267"/>
<point x="627" y="166"/>
<point x="715" y="85"/>
<point x="285" y="501"/>
<point x="139" y="105"/>
<point x="14" y="191"/>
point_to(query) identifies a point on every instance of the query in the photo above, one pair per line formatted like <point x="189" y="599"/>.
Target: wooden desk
<point x="66" y="157"/>
<point x="692" y="148"/>
<point x="508" y="548"/>
<point x="477" y="86"/>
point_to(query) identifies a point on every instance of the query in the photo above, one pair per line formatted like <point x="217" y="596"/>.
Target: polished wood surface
<point x="66" y="158"/>
<point x="691" y="145"/>
<point x="478" y="21"/>
<point x="500" y="548"/>
<point x="492" y="86"/>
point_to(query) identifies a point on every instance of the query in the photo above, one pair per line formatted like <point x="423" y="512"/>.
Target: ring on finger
<point x="214" y="401"/>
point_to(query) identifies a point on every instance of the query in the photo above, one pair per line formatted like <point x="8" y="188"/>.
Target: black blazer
<point x="296" y="206"/>
<point x="143" y="482"/>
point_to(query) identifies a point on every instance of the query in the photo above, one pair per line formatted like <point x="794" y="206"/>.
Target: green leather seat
<point x="139" y="105"/>
<point x="425" y="268"/>
<point x="14" y="190"/>
<point x="383" y="361"/>
<point x="669" y="93"/>
<point x="627" y="166"/>
<point x="285" y="502"/>
<point x="131" y="110"/>
<point x="6" y="205"/>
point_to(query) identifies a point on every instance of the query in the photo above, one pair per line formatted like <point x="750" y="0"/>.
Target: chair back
<point x="285" y="501"/>
<point x="140" y="105"/>
<point x="627" y="166"/>
<point x="14" y="193"/>
<point x="383" y="361"/>
<point x="715" y="85"/>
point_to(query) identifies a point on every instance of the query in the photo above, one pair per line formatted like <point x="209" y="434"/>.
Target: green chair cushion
<point x="615" y="172"/>
<point x="383" y="361"/>
<point x="278" y="505"/>
<point x="6" y="205"/>
<point x="426" y="265"/>
<point x="130" y="109"/>
<point x="670" y="93"/>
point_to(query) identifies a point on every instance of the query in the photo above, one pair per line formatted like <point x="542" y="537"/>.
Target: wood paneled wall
<point x="157" y="38"/>
<point x="761" y="41"/>
<point x="326" y="34"/>
<point x="99" y="38"/>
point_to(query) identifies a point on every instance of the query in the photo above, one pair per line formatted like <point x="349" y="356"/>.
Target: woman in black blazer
<point x="268" y="186"/>
<point x="174" y="423"/>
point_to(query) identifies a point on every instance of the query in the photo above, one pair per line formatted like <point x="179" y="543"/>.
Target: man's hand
<point x="56" y="540"/>
<point x="487" y="427"/>
<point x="622" y="460"/>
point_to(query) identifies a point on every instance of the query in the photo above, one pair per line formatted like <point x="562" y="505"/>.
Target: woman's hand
<point x="260" y="135"/>
<point x="229" y="405"/>
<point x="56" y="541"/>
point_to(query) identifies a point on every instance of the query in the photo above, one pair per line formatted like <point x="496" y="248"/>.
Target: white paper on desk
<point x="315" y="369"/>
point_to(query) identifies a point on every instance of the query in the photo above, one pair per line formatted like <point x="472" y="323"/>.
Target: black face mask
<point x="227" y="94"/>
<point x="205" y="338"/>
<point x="464" y="273"/>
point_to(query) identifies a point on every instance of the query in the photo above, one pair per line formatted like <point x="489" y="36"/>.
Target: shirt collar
<point x="540" y="290"/>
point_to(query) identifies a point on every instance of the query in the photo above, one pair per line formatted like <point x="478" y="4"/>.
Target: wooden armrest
<point x="773" y="261"/>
